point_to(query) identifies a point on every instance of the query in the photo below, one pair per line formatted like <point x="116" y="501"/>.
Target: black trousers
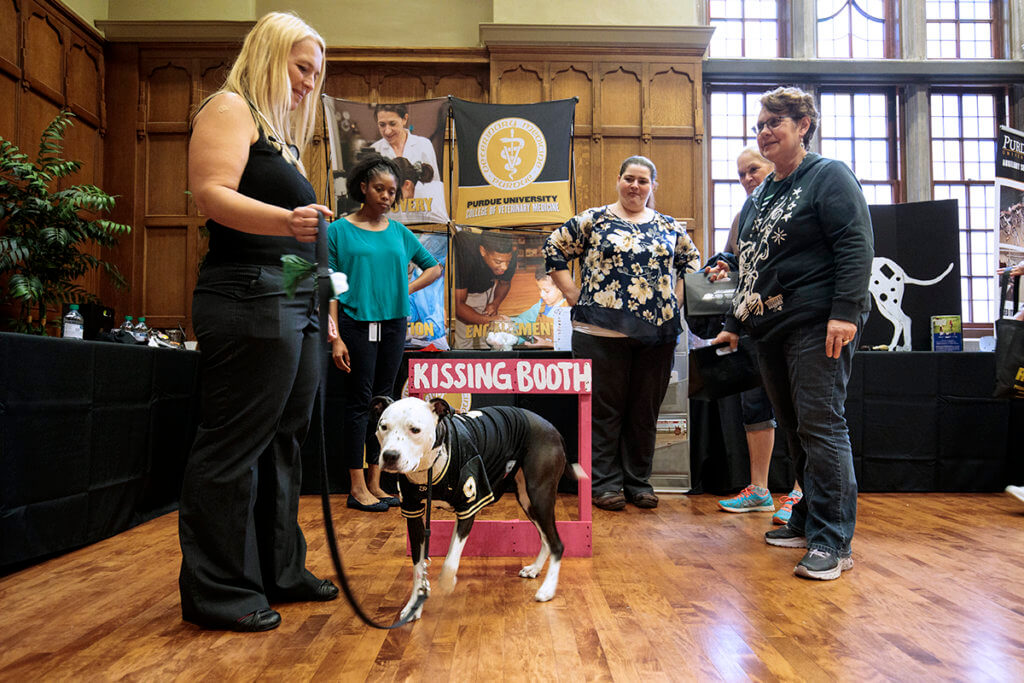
<point x="241" y="544"/>
<point x="629" y="382"/>
<point x="375" y="366"/>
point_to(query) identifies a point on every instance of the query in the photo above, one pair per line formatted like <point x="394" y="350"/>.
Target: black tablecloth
<point x="93" y="440"/>
<point x="919" y="421"/>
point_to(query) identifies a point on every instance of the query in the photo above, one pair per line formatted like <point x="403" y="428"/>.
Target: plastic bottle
<point x="141" y="331"/>
<point x="74" y="324"/>
<point x="127" y="326"/>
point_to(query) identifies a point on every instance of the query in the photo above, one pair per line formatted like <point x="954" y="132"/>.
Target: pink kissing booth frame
<point x="512" y="537"/>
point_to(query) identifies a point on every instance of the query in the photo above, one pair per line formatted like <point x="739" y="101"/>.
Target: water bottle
<point x="127" y="326"/>
<point x="141" y="331"/>
<point x="74" y="324"/>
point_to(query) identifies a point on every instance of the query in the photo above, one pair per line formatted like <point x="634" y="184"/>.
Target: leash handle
<point x="324" y="294"/>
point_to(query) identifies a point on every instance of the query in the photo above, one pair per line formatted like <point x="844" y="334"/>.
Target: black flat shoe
<point x="392" y="501"/>
<point x="379" y="506"/>
<point x="260" y="620"/>
<point x="325" y="591"/>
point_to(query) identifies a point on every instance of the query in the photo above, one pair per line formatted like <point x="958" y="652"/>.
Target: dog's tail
<point x="575" y="471"/>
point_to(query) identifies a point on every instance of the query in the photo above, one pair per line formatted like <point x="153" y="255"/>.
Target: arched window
<point x="859" y="29"/>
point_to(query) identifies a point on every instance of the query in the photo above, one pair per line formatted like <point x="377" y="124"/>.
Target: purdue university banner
<point x="1010" y="195"/>
<point x="514" y="163"/>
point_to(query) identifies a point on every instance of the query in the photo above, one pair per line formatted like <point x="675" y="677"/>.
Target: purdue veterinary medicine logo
<point x="511" y="153"/>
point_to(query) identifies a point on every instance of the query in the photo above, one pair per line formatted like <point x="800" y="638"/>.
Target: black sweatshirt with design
<point x="805" y="251"/>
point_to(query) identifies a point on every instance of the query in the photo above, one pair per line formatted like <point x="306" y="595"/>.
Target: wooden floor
<point x="684" y="592"/>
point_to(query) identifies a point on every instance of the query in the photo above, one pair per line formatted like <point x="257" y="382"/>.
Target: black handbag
<point x="704" y="297"/>
<point x="715" y="371"/>
<point x="1009" y="345"/>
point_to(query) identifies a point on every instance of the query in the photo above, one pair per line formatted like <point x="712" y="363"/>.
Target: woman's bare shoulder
<point x="225" y="108"/>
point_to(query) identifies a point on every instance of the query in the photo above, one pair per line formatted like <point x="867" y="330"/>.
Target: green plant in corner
<point x="43" y="230"/>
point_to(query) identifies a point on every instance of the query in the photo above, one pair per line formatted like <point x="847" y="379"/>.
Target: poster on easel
<point x="411" y="133"/>
<point x="514" y="163"/>
<point x="503" y="298"/>
<point x="1010" y="205"/>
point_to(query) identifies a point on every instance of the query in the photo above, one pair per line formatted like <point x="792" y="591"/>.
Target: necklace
<point x="619" y="214"/>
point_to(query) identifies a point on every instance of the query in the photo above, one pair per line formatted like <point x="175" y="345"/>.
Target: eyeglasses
<point x="773" y="123"/>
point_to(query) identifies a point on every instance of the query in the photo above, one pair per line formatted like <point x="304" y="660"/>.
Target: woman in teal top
<point x="374" y="252"/>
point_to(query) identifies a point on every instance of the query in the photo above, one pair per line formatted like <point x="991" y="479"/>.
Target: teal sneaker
<point x="751" y="499"/>
<point x="783" y="514"/>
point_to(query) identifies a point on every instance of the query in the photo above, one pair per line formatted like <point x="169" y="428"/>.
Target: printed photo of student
<point x="535" y="325"/>
<point x="484" y="266"/>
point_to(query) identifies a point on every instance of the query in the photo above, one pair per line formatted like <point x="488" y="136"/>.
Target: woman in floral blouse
<point x="625" y="319"/>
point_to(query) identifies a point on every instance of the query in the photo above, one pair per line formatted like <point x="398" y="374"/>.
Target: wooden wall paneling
<point x="670" y="132"/>
<point x="573" y="80"/>
<point x="582" y="154"/>
<point x="121" y="95"/>
<point x="213" y="73"/>
<point x="10" y="45"/>
<point x="519" y="83"/>
<point x="172" y="82"/>
<point x="464" y="85"/>
<point x="85" y="82"/>
<point x="570" y="79"/>
<point x="348" y="83"/>
<point x="167" y="260"/>
<point x="34" y="114"/>
<point x="9" y="114"/>
<point x="44" y="60"/>
<point x="621" y="99"/>
<point x="398" y="85"/>
<point x="82" y="143"/>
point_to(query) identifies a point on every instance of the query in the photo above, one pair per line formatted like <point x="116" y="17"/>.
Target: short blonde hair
<point x="794" y="103"/>
<point x="754" y="152"/>
<point x="260" y="75"/>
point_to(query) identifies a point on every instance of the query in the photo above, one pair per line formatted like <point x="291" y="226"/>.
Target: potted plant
<point x="44" y="230"/>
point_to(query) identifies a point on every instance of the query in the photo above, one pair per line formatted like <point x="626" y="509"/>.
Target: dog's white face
<point x="406" y="432"/>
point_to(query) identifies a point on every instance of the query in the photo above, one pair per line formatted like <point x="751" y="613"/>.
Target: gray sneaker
<point x="822" y="565"/>
<point x="785" y="537"/>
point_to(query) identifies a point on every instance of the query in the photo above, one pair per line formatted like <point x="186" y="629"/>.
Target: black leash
<point x="324" y="294"/>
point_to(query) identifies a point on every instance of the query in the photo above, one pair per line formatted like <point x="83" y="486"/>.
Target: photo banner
<point x="503" y="297"/>
<point x="412" y="133"/>
<point x="515" y="163"/>
<point x="1010" y="198"/>
<point x="426" y="323"/>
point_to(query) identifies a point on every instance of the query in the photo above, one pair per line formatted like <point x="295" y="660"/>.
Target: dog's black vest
<point x="484" y="447"/>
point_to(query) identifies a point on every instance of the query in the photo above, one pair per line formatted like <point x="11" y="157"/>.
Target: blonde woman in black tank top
<point x="242" y="548"/>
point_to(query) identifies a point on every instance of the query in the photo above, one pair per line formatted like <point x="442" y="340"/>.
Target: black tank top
<point x="269" y="178"/>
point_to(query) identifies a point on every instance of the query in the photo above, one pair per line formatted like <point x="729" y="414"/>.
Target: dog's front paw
<point x="408" y="608"/>
<point x="544" y="594"/>
<point x="530" y="571"/>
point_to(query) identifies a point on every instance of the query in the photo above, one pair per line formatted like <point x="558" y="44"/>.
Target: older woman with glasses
<point x="805" y="250"/>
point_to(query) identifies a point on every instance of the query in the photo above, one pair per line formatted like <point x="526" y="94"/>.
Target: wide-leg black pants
<point x="238" y="523"/>
<point x="629" y="383"/>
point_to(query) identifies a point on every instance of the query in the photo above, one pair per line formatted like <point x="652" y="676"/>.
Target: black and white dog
<point x="475" y="458"/>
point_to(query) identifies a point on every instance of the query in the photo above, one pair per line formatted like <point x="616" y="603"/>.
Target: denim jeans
<point x="756" y="410"/>
<point x="808" y="391"/>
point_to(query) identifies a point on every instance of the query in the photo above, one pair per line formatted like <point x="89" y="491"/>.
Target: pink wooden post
<point x="515" y="537"/>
